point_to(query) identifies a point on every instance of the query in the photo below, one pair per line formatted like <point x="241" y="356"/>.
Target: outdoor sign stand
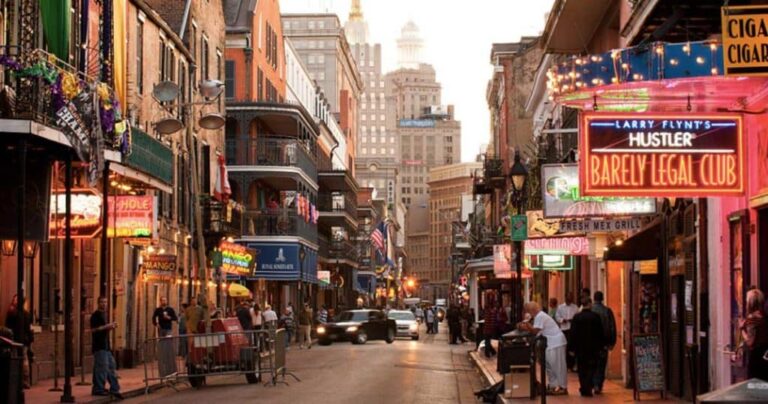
<point x="648" y="365"/>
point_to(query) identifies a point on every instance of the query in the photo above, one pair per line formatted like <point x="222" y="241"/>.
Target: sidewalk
<point x="612" y="391"/>
<point x="131" y="385"/>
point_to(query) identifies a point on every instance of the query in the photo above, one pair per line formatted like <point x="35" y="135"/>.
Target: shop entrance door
<point x="740" y="280"/>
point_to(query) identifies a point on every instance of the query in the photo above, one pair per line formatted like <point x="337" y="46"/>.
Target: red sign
<point x="85" y="213"/>
<point x="635" y="154"/>
<point x="131" y="216"/>
<point x="557" y="246"/>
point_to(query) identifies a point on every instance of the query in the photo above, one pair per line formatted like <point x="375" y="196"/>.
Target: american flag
<point x="377" y="237"/>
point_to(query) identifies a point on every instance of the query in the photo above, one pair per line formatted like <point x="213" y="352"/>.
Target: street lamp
<point x="519" y="175"/>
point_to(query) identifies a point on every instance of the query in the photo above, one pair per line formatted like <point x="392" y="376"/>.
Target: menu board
<point x="649" y="362"/>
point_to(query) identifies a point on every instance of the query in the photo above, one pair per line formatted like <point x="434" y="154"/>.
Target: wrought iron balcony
<point x="337" y="202"/>
<point x="278" y="222"/>
<point x="274" y="151"/>
<point x="221" y="219"/>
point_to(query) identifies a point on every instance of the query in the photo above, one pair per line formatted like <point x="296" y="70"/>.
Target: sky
<point x="457" y="36"/>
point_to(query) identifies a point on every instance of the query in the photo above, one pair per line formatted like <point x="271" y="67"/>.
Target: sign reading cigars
<point x="745" y="40"/>
<point x="691" y="155"/>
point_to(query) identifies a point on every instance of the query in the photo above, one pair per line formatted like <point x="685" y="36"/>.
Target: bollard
<point x="542" y="343"/>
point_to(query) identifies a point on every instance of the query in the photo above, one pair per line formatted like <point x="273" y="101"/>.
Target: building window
<point x="140" y="56"/>
<point x="229" y="80"/>
<point x="373" y="150"/>
<point x="321" y="24"/>
<point x="260" y="85"/>
<point x="373" y="139"/>
<point x="365" y="150"/>
<point x="204" y="60"/>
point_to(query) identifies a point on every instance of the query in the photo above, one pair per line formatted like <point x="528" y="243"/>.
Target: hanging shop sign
<point x="236" y="259"/>
<point x="85" y="213"/>
<point x="539" y="227"/>
<point x="562" y="198"/>
<point x="502" y="255"/>
<point x="661" y="155"/>
<point x="159" y="268"/>
<point x="324" y="277"/>
<point x="550" y="262"/>
<point x="518" y="227"/>
<point x="745" y="40"/>
<point x="557" y="246"/>
<point x="606" y="225"/>
<point x="131" y="216"/>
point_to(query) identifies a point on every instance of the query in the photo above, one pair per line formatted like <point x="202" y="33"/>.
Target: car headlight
<point x="413" y="327"/>
<point x="352" y="329"/>
<point x="321" y="330"/>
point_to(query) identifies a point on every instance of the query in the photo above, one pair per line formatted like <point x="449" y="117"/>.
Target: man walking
<point x="491" y="317"/>
<point x="608" y="321"/>
<point x="564" y="316"/>
<point x="554" y="356"/>
<point x="430" y="319"/>
<point x="588" y="341"/>
<point x="103" y="361"/>
<point x="270" y="317"/>
<point x="163" y="318"/>
<point x="453" y="324"/>
<point x="322" y="315"/>
<point x="286" y="321"/>
<point x="305" y="327"/>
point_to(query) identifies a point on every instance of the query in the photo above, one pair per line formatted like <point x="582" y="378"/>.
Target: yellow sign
<point x="650" y="267"/>
<point x="745" y="40"/>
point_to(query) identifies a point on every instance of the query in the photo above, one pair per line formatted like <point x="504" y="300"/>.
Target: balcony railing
<point x="336" y="202"/>
<point x="224" y="219"/>
<point x="283" y="222"/>
<point x="282" y="152"/>
<point x="341" y="249"/>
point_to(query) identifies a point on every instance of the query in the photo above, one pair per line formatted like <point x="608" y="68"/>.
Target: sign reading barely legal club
<point x="633" y="154"/>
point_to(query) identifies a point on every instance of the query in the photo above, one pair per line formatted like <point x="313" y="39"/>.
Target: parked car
<point x="358" y="327"/>
<point x="407" y="325"/>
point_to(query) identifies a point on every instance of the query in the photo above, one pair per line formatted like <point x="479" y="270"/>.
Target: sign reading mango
<point x="159" y="268"/>
<point x="745" y="40"/>
<point x="661" y="155"/>
<point x="236" y="259"/>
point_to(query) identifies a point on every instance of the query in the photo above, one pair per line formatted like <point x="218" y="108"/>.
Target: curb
<point x="126" y="394"/>
<point x="487" y="377"/>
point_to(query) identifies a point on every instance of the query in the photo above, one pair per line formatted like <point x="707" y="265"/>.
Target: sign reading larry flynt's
<point x="660" y="155"/>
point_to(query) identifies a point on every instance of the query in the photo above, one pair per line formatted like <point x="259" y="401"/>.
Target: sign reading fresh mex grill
<point x="745" y="40"/>
<point x="693" y="155"/>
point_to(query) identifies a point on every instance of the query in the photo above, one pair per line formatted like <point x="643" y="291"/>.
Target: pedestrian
<point x="608" y="322"/>
<point x="183" y="329"/>
<point x="564" y="316"/>
<point x="22" y="334"/>
<point x="256" y="318"/>
<point x="163" y="318"/>
<point x="545" y="326"/>
<point x="322" y="315"/>
<point x="552" y="307"/>
<point x="463" y="323"/>
<point x="195" y="314"/>
<point x="103" y="361"/>
<point x="419" y="313"/>
<point x="305" y="327"/>
<point x="588" y="342"/>
<point x="286" y="321"/>
<point x="243" y="313"/>
<point x="437" y="313"/>
<point x="754" y="333"/>
<point x="490" y="316"/>
<point x="453" y="324"/>
<point x="430" y="319"/>
<point x="270" y="317"/>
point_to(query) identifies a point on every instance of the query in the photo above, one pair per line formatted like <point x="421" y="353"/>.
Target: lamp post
<point x="302" y="255"/>
<point x="519" y="175"/>
<point x="166" y="93"/>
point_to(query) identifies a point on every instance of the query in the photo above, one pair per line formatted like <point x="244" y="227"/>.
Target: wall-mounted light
<point x="9" y="247"/>
<point x="30" y="249"/>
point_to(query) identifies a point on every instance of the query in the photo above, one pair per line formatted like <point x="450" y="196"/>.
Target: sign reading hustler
<point x="661" y="155"/>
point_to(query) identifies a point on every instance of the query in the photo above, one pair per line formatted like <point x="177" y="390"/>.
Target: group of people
<point x="295" y="323"/>
<point x="460" y="319"/>
<point x="578" y="338"/>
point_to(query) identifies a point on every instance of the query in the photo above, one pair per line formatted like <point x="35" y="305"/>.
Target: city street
<point x="424" y="371"/>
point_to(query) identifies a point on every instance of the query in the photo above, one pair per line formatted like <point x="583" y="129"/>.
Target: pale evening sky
<point x="457" y="36"/>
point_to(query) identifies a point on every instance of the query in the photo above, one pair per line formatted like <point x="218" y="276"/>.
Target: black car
<point x="358" y="327"/>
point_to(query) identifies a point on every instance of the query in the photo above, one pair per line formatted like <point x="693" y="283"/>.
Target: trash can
<point x="11" y="371"/>
<point x="515" y="349"/>
<point x="749" y="391"/>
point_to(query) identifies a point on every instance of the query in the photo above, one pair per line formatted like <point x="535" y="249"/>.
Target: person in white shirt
<point x="544" y="325"/>
<point x="270" y="317"/>
<point x="564" y="315"/>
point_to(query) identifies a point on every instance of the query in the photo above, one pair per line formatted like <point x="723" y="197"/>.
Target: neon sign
<point x="131" y="216"/>
<point x="236" y="259"/>
<point x="557" y="246"/>
<point x="159" y="268"/>
<point x="85" y="213"/>
<point x="661" y="155"/>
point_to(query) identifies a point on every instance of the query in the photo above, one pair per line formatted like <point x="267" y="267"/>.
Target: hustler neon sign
<point x="661" y="155"/>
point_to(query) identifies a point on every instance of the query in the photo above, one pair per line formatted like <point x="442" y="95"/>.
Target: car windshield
<point x="401" y="315"/>
<point x="352" y="316"/>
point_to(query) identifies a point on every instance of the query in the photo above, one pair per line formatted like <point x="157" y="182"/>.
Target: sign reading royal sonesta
<point x="745" y="40"/>
<point x="693" y="155"/>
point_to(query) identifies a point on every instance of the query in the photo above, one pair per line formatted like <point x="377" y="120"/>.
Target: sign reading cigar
<point x="745" y="40"/>
<point x="691" y="155"/>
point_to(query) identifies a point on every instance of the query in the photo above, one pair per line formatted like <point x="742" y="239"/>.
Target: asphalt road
<point x="424" y="371"/>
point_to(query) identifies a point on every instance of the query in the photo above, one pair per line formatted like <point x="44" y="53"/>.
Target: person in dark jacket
<point x="454" y="326"/>
<point x="588" y="341"/>
<point x="22" y="333"/>
<point x="490" y="316"/>
<point x="243" y="314"/>
<point x="608" y="321"/>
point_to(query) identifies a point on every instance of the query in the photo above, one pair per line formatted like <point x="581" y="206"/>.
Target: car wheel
<point x="324" y="342"/>
<point x="390" y="336"/>
<point x="415" y="337"/>
<point x="361" y="338"/>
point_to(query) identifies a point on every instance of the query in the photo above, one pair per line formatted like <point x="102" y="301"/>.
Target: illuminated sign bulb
<point x="714" y="70"/>
<point x="619" y="243"/>
<point x="673" y="62"/>
<point x="699" y="60"/>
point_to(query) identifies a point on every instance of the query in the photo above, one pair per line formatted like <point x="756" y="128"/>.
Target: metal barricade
<point x="191" y="358"/>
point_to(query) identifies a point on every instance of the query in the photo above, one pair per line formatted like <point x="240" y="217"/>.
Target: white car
<point x="407" y="326"/>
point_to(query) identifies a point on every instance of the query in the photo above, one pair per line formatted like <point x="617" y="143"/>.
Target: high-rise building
<point x="448" y="186"/>
<point x="409" y="47"/>
<point x="321" y="42"/>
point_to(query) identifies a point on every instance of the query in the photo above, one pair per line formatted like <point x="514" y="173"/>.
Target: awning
<point x="643" y="245"/>
<point x="238" y="290"/>
<point x="479" y="265"/>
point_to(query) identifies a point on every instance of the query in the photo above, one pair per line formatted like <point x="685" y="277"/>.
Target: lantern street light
<point x="166" y="93"/>
<point x="9" y="247"/>
<point x="519" y="175"/>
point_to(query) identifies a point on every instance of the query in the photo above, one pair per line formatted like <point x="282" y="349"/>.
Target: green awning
<point x="56" y="16"/>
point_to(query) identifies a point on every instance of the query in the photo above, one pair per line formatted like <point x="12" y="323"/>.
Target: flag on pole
<point x="377" y="238"/>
